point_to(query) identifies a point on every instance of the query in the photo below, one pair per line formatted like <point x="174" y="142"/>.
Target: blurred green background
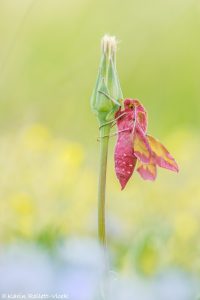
<point x="49" y="57"/>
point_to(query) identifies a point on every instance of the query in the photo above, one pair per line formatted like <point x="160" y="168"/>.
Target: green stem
<point x="104" y="140"/>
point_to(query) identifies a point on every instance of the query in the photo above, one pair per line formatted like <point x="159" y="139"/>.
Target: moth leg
<point x="116" y="133"/>
<point x="113" y="121"/>
<point x="106" y="123"/>
<point x="112" y="134"/>
<point x="124" y="113"/>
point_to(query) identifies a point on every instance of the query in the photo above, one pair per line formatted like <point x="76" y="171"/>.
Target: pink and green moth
<point x="135" y="147"/>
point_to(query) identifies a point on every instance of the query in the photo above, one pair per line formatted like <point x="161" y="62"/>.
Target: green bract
<point x="105" y="100"/>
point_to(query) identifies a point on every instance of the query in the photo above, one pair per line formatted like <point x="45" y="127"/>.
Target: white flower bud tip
<point x="109" y="44"/>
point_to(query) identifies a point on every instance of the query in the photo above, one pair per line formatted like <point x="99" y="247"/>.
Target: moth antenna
<point x="109" y="97"/>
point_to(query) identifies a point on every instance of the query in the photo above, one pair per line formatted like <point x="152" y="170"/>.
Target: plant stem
<point x="104" y="132"/>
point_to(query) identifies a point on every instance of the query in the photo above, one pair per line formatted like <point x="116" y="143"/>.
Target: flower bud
<point x="105" y="100"/>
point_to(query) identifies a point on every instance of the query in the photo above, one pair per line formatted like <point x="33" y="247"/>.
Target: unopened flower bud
<point x="105" y="100"/>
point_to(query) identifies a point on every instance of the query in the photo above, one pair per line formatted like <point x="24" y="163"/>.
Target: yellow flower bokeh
<point x="53" y="195"/>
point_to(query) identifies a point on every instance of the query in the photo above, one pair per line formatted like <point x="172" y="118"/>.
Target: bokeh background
<point x="49" y="56"/>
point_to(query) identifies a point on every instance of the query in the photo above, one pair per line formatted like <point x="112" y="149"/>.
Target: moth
<point x="137" y="149"/>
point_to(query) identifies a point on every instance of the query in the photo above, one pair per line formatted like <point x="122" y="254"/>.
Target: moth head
<point x="129" y="104"/>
